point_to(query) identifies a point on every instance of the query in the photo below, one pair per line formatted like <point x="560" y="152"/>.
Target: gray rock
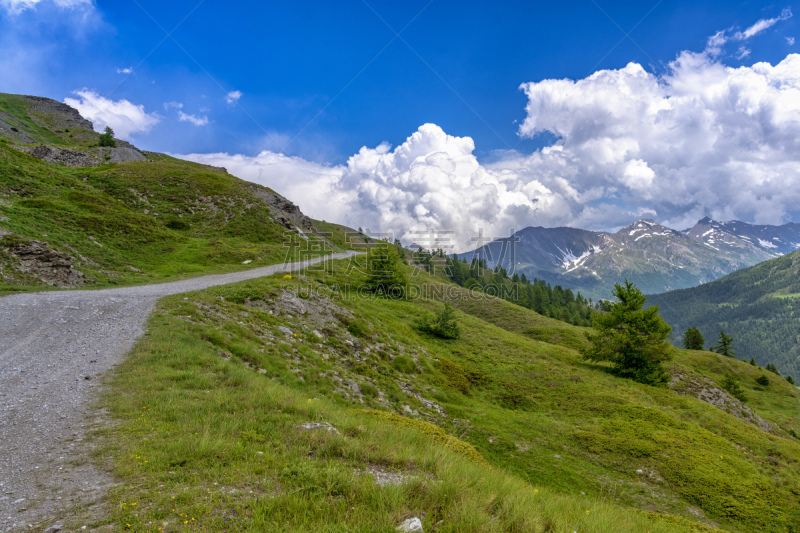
<point x="51" y="267"/>
<point x="318" y="425"/>
<point x="71" y="158"/>
<point x="411" y="524"/>
<point x="285" y="330"/>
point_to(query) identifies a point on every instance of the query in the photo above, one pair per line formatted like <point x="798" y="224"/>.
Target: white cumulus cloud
<point x="432" y="180"/>
<point x="197" y="121"/>
<point x="233" y="97"/>
<point x="313" y="186"/>
<point x="125" y="118"/>
<point x="126" y="70"/>
<point x="701" y="139"/>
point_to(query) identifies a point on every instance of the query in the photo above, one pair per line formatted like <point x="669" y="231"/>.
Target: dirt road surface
<point x="54" y="349"/>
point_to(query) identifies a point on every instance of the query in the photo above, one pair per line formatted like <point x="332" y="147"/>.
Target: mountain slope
<point x="149" y="218"/>
<point x="285" y="403"/>
<point x="758" y="306"/>
<point x="535" y="439"/>
<point x="655" y="257"/>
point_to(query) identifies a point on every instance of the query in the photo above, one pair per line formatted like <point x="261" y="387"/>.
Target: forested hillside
<point x="535" y="294"/>
<point x="758" y="306"/>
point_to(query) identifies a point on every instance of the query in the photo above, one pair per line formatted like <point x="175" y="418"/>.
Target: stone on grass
<point x="318" y="425"/>
<point x="411" y="524"/>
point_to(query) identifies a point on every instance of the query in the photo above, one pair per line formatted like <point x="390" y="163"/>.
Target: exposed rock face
<point x="705" y="390"/>
<point x="120" y="154"/>
<point x="51" y="267"/>
<point x="89" y="158"/>
<point x="286" y="213"/>
<point x="63" y="156"/>
<point x="67" y="117"/>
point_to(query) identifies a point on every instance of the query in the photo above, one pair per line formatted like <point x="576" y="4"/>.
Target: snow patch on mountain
<point x="570" y="261"/>
<point x="766" y="244"/>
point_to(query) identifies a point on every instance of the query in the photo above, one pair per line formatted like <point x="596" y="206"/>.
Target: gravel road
<point x="54" y="348"/>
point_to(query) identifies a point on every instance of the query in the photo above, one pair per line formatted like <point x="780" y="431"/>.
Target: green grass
<point x="20" y="116"/>
<point x="215" y="382"/>
<point x="140" y="222"/>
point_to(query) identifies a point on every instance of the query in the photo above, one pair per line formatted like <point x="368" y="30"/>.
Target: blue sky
<point x="321" y="80"/>
<point x="297" y="64"/>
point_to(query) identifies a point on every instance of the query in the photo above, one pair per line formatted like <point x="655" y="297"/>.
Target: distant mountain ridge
<point x="758" y="306"/>
<point x="655" y="257"/>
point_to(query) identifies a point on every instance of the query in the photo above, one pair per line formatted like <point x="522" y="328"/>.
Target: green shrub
<point x="367" y="389"/>
<point x="443" y="325"/>
<point x="455" y="374"/>
<point x="178" y="224"/>
<point x="406" y="364"/>
<point x="107" y="138"/>
<point x="358" y="329"/>
<point x="763" y="380"/>
<point x="731" y="385"/>
<point x="387" y="274"/>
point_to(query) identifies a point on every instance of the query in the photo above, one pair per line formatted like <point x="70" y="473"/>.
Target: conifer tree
<point x="632" y="338"/>
<point x="693" y="339"/>
<point x="724" y="345"/>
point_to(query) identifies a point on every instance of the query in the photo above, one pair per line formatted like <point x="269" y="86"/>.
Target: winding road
<point x="54" y="348"/>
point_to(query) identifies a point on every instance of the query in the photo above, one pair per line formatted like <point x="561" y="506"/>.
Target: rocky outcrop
<point x="285" y="212"/>
<point x="58" y="116"/>
<point x="120" y="154"/>
<point x="706" y="390"/>
<point x="49" y="266"/>
<point x="62" y="156"/>
<point x="89" y="158"/>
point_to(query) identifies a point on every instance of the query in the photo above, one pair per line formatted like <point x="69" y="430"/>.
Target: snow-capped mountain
<point x="655" y="257"/>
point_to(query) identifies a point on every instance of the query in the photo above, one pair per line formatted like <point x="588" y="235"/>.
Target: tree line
<point x="551" y="301"/>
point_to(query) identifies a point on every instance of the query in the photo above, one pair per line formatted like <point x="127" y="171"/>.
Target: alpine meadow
<point x="314" y="269"/>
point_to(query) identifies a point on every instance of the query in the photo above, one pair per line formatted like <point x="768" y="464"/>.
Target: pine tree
<point x="632" y="338"/>
<point x="387" y="275"/>
<point x="693" y="339"/>
<point x="724" y="345"/>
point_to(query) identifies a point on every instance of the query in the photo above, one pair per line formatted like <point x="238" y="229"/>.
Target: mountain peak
<point x="705" y="220"/>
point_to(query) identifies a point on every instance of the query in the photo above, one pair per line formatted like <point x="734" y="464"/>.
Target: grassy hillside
<point x="305" y="404"/>
<point x="757" y="306"/>
<point x="138" y="222"/>
<point x="503" y="429"/>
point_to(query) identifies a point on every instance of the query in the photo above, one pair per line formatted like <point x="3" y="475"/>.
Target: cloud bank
<point x="700" y="139"/>
<point x="125" y="118"/>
